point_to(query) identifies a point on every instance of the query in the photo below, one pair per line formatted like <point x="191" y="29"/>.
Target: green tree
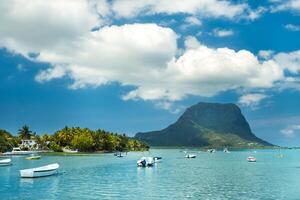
<point x="83" y="141"/>
<point x="7" y="141"/>
<point x="25" y="132"/>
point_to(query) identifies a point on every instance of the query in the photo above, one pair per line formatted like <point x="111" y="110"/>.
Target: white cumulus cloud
<point x="204" y="8"/>
<point x="144" y="56"/>
<point x="252" y="99"/>
<point x="222" y="32"/>
<point x="291" y="131"/>
<point x="292" y="27"/>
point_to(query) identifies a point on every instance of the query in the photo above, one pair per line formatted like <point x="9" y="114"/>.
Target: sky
<point x="132" y="66"/>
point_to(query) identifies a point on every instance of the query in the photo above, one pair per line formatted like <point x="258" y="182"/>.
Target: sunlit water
<point x="209" y="176"/>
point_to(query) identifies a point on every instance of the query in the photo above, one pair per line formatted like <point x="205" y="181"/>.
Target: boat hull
<point x="20" y="153"/>
<point x="5" y="162"/>
<point x="33" y="158"/>
<point x="33" y="174"/>
<point x="47" y="170"/>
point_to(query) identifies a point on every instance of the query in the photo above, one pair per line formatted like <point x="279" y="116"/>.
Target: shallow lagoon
<point x="209" y="176"/>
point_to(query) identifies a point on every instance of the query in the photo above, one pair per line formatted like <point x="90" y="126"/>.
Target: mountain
<point x="206" y="124"/>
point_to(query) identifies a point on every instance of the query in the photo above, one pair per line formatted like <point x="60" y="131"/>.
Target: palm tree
<point x="24" y="132"/>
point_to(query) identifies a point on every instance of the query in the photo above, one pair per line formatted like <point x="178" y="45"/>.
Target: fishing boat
<point x="145" y="162"/>
<point x="46" y="170"/>
<point x="5" y="162"/>
<point x="251" y="159"/>
<point x="191" y="156"/>
<point x="18" y="151"/>
<point x="33" y="157"/>
<point x="66" y="150"/>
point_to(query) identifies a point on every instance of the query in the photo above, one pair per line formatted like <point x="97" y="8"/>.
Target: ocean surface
<point x="209" y="176"/>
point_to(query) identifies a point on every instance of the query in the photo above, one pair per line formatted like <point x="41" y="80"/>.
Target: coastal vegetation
<point x="83" y="139"/>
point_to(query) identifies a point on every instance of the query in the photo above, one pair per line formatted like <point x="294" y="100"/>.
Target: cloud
<point x="169" y="106"/>
<point x="212" y="8"/>
<point x="193" y="21"/>
<point x="291" y="131"/>
<point x="255" y="14"/>
<point x="289" y="5"/>
<point x="144" y="56"/>
<point x="265" y="54"/>
<point x="51" y="73"/>
<point x="292" y="27"/>
<point x="252" y="100"/>
<point x="289" y="61"/>
<point x="222" y="32"/>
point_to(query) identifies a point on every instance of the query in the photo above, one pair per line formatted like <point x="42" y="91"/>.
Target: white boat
<point x="251" y="159"/>
<point x="70" y="150"/>
<point x="46" y="170"/>
<point x="145" y="162"/>
<point x="18" y="151"/>
<point x="226" y="150"/>
<point x="211" y="150"/>
<point x="5" y="162"/>
<point x="118" y="154"/>
<point x="191" y="156"/>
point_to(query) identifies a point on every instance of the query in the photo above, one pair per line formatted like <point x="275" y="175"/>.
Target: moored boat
<point x="145" y="162"/>
<point x="191" y="156"/>
<point x="46" y="170"/>
<point x="226" y="150"/>
<point x="33" y="157"/>
<point x="66" y="150"/>
<point x="251" y="159"/>
<point x="211" y="150"/>
<point x="18" y="151"/>
<point x="5" y="162"/>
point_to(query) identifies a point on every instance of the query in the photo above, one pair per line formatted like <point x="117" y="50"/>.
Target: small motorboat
<point x="251" y="159"/>
<point x="46" y="170"/>
<point x="191" y="156"/>
<point x="145" y="162"/>
<point x="5" y="162"/>
<point x="66" y="150"/>
<point x="33" y="157"/>
<point x="211" y="150"/>
<point x="119" y="155"/>
<point x="157" y="159"/>
<point x="226" y="150"/>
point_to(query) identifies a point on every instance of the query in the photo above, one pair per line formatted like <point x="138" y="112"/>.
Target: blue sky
<point x="131" y="66"/>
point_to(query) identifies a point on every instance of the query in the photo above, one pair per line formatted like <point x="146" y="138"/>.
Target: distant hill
<point x="206" y="124"/>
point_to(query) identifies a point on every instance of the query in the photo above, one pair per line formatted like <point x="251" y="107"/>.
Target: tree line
<point x="83" y="139"/>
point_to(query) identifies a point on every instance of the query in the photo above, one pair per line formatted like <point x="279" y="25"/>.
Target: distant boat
<point x="145" y="162"/>
<point x="5" y="162"/>
<point x="66" y="150"/>
<point x="211" y="150"/>
<point x="251" y="159"/>
<point x="118" y="154"/>
<point x="191" y="156"/>
<point x="46" y="170"/>
<point x="226" y="150"/>
<point x="33" y="157"/>
<point x="18" y="151"/>
<point x="157" y="159"/>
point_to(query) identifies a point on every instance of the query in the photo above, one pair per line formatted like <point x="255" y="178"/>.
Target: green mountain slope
<point x="206" y="124"/>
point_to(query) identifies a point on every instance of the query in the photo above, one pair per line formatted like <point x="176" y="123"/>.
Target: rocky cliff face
<point x="206" y="124"/>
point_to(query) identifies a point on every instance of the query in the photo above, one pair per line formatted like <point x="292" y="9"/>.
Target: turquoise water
<point x="209" y="176"/>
